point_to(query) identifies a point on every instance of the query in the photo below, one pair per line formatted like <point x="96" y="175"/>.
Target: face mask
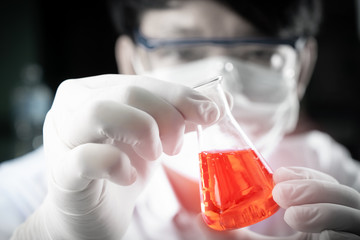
<point x="266" y="104"/>
<point x="265" y="101"/>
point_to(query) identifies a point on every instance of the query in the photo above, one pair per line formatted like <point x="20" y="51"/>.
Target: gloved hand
<point x="101" y="138"/>
<point x="317" y="206"/>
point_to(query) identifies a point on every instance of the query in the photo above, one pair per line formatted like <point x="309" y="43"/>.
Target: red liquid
<point x="236" y="189"/>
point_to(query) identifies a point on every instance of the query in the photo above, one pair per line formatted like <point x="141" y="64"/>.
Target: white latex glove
<point x="316" y="205"/>
<point x="100" y="138"/>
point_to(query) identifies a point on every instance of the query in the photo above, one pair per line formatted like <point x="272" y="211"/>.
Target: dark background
<point x="72" y="39"/>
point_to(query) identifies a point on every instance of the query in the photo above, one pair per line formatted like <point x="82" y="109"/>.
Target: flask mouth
<point x="217" y="79"/>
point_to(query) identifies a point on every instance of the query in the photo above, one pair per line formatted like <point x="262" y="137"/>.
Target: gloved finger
<point x="85" y="163"/>
<point x="291" y="173"/>
<point x="323" y="216"/>
<point x="334" y="235"/>
<point x="190" y="126"/>
<point x="100" y="121"/>
<point x="170" y="121"/>
<point x="299" y="192"/>
<point x="193" y="105"/>
<point x="243" y="233"/>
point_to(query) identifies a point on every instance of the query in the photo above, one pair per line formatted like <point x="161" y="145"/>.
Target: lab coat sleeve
<point x="22" y="190"/>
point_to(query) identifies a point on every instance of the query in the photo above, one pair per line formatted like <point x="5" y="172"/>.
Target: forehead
<point x="195" y="18"/>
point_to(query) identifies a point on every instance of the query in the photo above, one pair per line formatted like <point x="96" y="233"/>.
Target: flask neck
<point x="225" y="133"/>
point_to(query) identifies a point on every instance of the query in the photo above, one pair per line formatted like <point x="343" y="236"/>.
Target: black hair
<point x="276" y="18"/>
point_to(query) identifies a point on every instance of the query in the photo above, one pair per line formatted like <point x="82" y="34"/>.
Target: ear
<point x="308" y="57"/>
<point x="124" y="53"/>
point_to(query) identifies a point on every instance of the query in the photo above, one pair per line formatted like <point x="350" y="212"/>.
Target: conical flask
<point x="236" y="182"/>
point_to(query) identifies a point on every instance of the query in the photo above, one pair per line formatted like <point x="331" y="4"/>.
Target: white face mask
<point x="265" y="103"/>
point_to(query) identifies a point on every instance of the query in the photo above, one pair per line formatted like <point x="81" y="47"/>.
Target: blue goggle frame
<point x="155" y="43"/>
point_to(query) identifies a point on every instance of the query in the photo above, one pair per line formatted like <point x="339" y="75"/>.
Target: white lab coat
<point x="158" y="214"/>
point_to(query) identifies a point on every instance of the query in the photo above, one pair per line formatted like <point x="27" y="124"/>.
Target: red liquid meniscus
<point x="236" y="189"/>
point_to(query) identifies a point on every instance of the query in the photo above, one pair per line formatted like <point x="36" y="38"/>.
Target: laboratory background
<point x="45" y="42"/>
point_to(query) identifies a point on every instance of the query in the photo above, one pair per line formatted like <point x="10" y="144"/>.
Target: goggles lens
<point x="271" y="53"/>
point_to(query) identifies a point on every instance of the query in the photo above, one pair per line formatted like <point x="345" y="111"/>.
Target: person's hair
<point x="276" y="18"/>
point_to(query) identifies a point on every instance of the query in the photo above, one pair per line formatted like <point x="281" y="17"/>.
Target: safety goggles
<point x="274" y="53"/>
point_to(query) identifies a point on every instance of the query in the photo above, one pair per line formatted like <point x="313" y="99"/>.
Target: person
<point x="120" y="150"/>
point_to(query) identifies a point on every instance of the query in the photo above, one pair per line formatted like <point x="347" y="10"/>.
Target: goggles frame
<point x="156" y="43"/>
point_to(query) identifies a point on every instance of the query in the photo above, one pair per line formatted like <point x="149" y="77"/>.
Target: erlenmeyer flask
<point x="236" y="182"/>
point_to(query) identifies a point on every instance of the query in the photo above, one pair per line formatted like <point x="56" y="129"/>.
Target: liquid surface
<point x="236" y="189"/>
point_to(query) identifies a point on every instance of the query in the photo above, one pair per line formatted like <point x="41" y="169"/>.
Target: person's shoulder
<point x="318" y="150"/>
<point x="314" y="149"/>
<point x="308" y="135"/>
<point x="317" y="142"/>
